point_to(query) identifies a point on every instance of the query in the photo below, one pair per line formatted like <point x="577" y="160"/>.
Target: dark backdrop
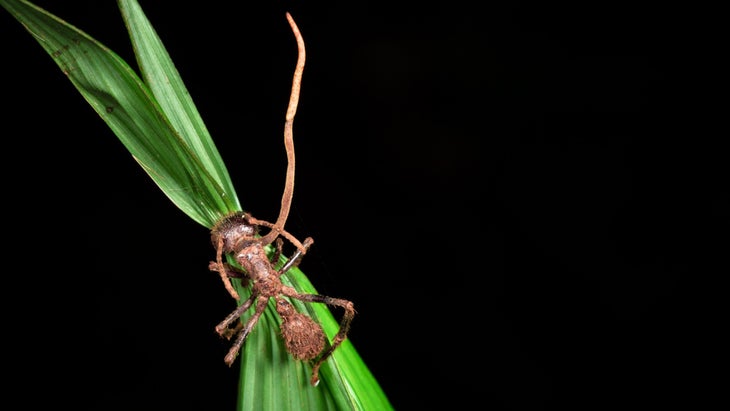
<point x="510" y="194"/>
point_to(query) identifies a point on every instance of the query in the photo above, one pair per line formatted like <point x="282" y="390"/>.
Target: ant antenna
<point x="286" y="198"/>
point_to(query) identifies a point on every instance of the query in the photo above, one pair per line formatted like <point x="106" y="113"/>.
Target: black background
<point x="514" y="196"/>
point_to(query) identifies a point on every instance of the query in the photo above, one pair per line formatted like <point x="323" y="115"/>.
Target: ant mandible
<point x="237" y="234"/>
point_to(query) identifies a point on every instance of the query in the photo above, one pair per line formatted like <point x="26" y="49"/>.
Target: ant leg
<point x="341" y="335"/>
<point x="222" y="271"/>
<point x="277" y="254"/>
<point x="277" y="229"/>
<point x="231" y="272"/>
<point x="223" y="328"/>
<point x="296" y="257"/>
<point x="236" y="348"/>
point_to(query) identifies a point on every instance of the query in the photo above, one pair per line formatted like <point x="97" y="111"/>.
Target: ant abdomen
<point x="303" y="337"/>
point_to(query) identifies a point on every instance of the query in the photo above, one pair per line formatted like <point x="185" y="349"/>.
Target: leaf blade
<point x="128" y="107"/>
<point x="163" y="79"/>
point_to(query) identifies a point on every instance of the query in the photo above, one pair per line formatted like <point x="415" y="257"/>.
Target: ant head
<point x="232" y="229"/>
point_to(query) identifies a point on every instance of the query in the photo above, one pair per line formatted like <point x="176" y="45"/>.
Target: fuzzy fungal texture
<point x="303" y="337"/>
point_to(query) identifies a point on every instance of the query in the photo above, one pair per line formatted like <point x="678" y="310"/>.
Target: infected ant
<point x="237" y="234"/>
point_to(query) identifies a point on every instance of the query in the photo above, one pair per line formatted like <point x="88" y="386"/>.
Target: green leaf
<point x="161" y="76"/>
<point x="157" y="122"/>
<point x="128" y="106"/>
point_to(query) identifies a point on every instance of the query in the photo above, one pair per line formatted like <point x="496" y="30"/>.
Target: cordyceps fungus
<point x="237" y="235"/>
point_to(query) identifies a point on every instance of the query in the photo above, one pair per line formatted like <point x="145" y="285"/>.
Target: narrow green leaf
<point x="161" y="76"/>
<point x="127" y="105"/>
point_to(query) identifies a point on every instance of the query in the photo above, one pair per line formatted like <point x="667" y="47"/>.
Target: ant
<point x="237" y="235"/>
